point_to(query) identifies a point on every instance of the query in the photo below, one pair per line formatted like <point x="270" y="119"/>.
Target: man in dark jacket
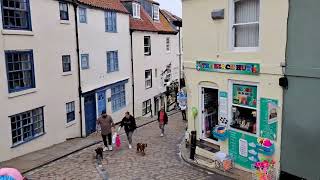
<point x="162" y="119"/>
<point x="129" y="124"/>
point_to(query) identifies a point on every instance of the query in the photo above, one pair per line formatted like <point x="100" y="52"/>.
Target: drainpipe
<point x="132" y="71"/>
<point x="179" y="59"/>
<point x="75" y="5"/>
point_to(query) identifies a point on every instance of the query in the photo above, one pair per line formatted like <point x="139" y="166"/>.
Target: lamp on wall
<point x="283" y="82"/>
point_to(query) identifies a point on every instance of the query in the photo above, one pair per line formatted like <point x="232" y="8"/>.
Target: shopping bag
<point x="118" y="141"/>
<point x="114" y="138"/>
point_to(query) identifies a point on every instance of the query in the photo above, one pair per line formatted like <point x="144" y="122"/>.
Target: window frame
<point x="145" y="108"/>
<point x="155" y="8"/>
<point x="147" y="53"/>
<point x="32" y="79"/>
<point x="232" y="33"/>
<point x="168" y="44"/>
<point x="110" y="18"/>
<point x="257" y="108"/>
<point x="30" y="124"/>
<point x="82" y="64"/>
<point x="70" y="109"/>
<point x="63" y="70"/>
<point x="114" y="60"/>
<point x="146" y="79"/>
<point x="118" y="96"/>
<point x="136" y="10"/>
<point x="28" y="18"/>
<point x="63" y="11"/>
<point x="84" y="21"/>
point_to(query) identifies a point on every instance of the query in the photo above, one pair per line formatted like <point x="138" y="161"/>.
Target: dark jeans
<point x="184" y="116"/>
<point x="129" y="136"/>
<point x="104" y="138"/>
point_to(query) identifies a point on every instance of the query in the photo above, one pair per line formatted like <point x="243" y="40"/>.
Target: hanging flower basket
<point x="220" y="132"/>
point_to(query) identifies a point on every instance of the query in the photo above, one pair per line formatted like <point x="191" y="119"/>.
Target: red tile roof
<point x="143" y="24"/>
<point x="114" y="5"/>
<point x="146" y="23"/>
<point x="163" y="25"/>
<point x="170" y="16"/>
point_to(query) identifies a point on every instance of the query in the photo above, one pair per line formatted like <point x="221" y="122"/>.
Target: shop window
<point x="244" y="108"/>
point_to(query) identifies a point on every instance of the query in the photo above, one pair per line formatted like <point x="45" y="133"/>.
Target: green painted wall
<point x="300" y="148"/>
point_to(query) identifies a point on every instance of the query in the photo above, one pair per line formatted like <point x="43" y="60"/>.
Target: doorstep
<point x="203" y="159"/>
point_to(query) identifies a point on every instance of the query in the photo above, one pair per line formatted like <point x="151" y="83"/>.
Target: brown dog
<point x="141" y="148"/>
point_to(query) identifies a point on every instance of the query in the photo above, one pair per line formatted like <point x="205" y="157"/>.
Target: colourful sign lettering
<point x="232" y="67"/>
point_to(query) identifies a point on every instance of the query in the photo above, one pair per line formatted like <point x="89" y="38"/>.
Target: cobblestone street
<point x="162" y="160"/>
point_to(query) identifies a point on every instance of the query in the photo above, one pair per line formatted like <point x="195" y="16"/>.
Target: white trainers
<point x="110" y="148"/>
<point x="161" y="134"/>
<point x="105" y="149"/>
<point x="130" y="146"/>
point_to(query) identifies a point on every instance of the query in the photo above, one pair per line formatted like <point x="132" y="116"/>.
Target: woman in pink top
<point x="162" y="119"/>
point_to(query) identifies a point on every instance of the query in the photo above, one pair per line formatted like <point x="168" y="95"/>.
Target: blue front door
<point x="90" y="113"/>
<point x="101" y="102"/>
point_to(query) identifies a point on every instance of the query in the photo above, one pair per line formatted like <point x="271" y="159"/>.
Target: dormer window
<point x="155" y="11"/>
<point x="136" y="10"/>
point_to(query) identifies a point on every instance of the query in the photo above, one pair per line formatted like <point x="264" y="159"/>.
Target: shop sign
<point x="269" y="118"/>
<point x="231" y="67"/>
<point x="223" y="108"/>
<point x="242" y="148"/>
<point x="245" y="95"/>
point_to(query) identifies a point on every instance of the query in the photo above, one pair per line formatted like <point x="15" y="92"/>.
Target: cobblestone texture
<point x="162" y="160"/>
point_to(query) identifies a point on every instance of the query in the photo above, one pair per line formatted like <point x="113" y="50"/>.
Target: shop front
<point x="239" y="113"/>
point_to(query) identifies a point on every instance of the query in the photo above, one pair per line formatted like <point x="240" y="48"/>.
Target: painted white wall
<point x="96" y="42"/>
<point x="158" y="59"/>
<point x="49" y="40"/>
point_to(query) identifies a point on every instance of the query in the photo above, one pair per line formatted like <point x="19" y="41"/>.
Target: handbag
<point x="114" y="136"/>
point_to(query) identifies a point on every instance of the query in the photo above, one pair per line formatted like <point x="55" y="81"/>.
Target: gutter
<point x="75" y="5"/>
<point x="132" y="71"/>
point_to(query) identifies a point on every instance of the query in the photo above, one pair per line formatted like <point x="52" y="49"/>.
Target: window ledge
<point x="64" y="22"/>
<point x="21" y="93"/>
<point x="31" y="139"/>
<point x="69" y="124"/>
<point x="17" y="32"/>
<point x="245" y="49"/>
<point x="66" y="73"/>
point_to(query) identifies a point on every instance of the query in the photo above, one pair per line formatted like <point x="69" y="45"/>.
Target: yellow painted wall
<point x="209" y="40"/>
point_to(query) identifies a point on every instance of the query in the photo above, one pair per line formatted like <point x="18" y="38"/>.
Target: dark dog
<point x="141" y="148"/>
<point x="99" y="153"/>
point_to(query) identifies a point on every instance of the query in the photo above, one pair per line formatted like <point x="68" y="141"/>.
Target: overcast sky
<point x="173" y="6"/>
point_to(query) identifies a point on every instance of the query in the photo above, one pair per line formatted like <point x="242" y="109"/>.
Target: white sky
<point x="174" y="6"/>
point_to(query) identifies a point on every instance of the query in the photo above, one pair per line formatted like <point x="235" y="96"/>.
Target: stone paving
<point x="162" y="159"/>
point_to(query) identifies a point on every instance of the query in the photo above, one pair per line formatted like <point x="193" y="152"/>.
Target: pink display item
<point x="267" y="143"/>
<point x="11" y="172"/>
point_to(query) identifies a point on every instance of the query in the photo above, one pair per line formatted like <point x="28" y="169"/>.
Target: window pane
<point x="20" y="70"/>
<point x="247" y="11"/>
<point x="247" y="35"/>
<point x="16" y="14"/>
<point x="26" y="125"/>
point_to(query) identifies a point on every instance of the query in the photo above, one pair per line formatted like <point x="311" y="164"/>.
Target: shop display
<point x="220" y="132"/>
<point x="264" y="170"/>
<point x="269" y="118"/>
<point x="244" y="104"/>
<point x="245" y="95"/>
<point x="244" y="119"/>
<point x="265" y="146"/>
